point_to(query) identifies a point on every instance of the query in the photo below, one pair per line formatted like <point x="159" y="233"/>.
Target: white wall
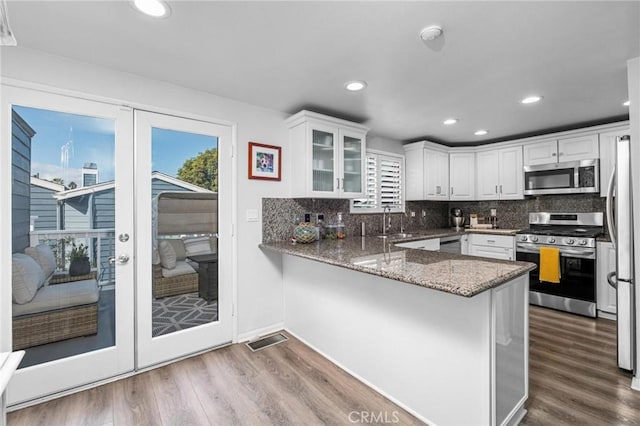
<point x="260" y="294"/>
<point x="382" y="143"/>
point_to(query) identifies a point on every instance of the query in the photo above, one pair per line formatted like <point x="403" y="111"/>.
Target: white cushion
<point x="43" y="254"/>
<point x="178" y="247"/>
<point x="197" y="245"/>
<point x="60" y="296"/>
<point x="167" y="255"/>
<point x="182" y="268"/>
<point x="27" y="278"/>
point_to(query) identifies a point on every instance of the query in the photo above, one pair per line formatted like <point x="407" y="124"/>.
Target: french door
<point x="183" y="201"/>
<point x="109" y="184"/>
<point x="67" y="169"/>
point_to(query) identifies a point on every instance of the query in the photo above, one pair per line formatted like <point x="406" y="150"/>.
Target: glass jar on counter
<point x="335" y="232"/>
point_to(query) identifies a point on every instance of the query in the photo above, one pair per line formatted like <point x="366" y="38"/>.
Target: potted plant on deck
<point x="79" y="260"/>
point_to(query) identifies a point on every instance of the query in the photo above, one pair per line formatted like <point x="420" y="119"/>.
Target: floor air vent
<point x="265" y="342"/>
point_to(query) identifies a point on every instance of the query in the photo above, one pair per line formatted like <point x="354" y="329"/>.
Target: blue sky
<point x="91" y="140"/>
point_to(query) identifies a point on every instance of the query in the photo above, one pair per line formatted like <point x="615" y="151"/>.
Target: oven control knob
<point x="523" y="238"/>
<point x="570" y="241"/>
<point x="534" y="239"/>
<point x="551" y="240"/>
<point x="583" y="242"/>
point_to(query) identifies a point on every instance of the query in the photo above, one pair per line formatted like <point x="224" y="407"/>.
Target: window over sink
<point x="384" y="184"/>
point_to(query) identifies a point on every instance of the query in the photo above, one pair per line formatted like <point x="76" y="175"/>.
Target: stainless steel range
<point x="574" y="234"/>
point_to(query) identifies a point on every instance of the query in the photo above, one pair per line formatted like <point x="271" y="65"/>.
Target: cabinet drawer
<point x="504" y="241"/>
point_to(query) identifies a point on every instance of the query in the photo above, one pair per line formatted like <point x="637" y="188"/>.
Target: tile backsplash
<point x="280" y="215"/>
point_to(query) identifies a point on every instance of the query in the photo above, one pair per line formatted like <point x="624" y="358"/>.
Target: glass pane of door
<point x="184" y="222"/>
<point x="63" y="217"/>
<point x="352" y="167"/>
<point x="184" y="190"/>
<point x="322" y="161"/>
<point x="68" y="309"/>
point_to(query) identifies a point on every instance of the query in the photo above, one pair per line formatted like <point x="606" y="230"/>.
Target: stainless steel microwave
<point x="571" y="177"/>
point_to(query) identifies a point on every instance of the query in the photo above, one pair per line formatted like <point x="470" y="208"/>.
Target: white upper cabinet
<point x="426" y="171"/>
<point x="608" y="156"/>
<point x="436" y="175"/>
<point x="561" y="150"/>
<point x="499" y="174"/>
<point x="543" y="152"/>
<point x="462" y="176"/>
<point x="327" y="156"/>
<point x="578" y="148"/>
<point x="414" y="172"/>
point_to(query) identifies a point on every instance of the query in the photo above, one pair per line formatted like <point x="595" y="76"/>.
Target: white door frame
<point x="70" y="372"/>
<point x="151" y="351"/>
<point x="8" y="85"/>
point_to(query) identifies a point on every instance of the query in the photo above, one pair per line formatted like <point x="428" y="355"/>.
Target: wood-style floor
<point x="573" y="374"/>
<point x="573" y="380"/>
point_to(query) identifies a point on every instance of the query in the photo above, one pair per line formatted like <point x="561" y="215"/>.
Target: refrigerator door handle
<point x="610" y="219"/>
<point x="613" y="283"/>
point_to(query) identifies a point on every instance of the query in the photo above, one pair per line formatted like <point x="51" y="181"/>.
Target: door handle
<point x="122" y="259"/>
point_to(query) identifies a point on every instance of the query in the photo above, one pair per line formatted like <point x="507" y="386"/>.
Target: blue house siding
<point x="45" y="207"/>
<point x="158" y="186"/>
<point x="21" y="134"/>
<point x="104" y="218"/>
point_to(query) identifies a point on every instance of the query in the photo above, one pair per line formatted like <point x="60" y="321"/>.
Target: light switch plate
<point x="252" y="215"/>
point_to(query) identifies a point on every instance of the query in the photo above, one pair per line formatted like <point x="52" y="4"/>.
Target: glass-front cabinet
<point x="327" y="156"/>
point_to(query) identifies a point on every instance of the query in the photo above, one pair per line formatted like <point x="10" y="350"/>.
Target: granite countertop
<point x="453" y="273"/>
<point x="425" y="234"/>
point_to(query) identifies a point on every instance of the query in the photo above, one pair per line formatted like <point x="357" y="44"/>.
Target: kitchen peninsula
<point x="441" y="334"/>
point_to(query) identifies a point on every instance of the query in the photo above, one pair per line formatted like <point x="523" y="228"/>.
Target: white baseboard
<point x="254" y="334"/>
<point x="635" y="382"/>
<point x="606" y="315"/>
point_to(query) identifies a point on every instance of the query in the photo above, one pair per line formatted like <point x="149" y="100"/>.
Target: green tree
<point x="201" y="170"/>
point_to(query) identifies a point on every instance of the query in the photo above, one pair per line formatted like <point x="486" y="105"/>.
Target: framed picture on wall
<point x="264" y="161"/>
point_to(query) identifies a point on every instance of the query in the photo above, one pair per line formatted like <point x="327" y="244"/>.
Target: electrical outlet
<point x="412" y="213"/>
<point x="307" y="217"/>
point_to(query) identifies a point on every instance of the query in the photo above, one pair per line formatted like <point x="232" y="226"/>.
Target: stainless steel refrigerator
<point x="620" y="223"/>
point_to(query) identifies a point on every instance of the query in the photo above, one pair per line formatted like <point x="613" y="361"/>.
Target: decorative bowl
<point x="305" y="233"/>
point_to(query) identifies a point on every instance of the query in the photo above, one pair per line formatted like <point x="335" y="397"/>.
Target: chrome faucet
<point x="386" y="226"/>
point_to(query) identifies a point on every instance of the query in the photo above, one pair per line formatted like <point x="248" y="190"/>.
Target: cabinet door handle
<point x="553" y="154"/>
<point x="452" y="190"/>
<point x="337" y="183"/>
<point x="501" y="189"/>
<point x="496" y="189"/>
<point x="438" y="189"/>
<point x="562" y="153"/>
<point x="491" y="241"/>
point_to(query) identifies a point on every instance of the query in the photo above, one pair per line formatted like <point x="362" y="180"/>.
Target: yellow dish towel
<point x="550" y="264"/>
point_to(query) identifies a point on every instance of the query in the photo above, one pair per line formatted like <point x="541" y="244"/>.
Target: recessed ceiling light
<point x="355" y="85"/>
<point x="531" y="99"/>
<point x="626" y="103"/>
<point x="431" y="33"/>
<point x="450" y="121"/>
<point x="155" y="8"/>
<point x="481" y="132"/>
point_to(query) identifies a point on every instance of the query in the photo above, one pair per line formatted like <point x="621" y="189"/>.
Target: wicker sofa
<point x="173" y="278"/>
<point x="51" y="308"/>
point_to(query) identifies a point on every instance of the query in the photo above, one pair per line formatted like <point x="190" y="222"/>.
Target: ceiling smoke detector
<point x="431" y="33"/>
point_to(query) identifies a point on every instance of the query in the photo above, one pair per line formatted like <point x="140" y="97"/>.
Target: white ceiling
<point x="293" y="55"/>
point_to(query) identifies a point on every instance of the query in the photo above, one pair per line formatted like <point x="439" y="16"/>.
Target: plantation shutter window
<point x="383" y="184"/>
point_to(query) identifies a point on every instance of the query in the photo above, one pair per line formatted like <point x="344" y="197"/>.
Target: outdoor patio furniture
<point x="46" y="309"/>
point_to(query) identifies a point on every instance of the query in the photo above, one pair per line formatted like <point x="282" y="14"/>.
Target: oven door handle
<point x="532" y="249"/>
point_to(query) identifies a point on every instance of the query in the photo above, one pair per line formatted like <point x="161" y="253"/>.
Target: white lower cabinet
<point x="493" y="246"/>
<point x="432" y="244"/>
<point x="606" y="295"/>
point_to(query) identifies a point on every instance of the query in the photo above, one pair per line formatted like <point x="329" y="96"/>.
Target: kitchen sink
<point x="396" y="236"/>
